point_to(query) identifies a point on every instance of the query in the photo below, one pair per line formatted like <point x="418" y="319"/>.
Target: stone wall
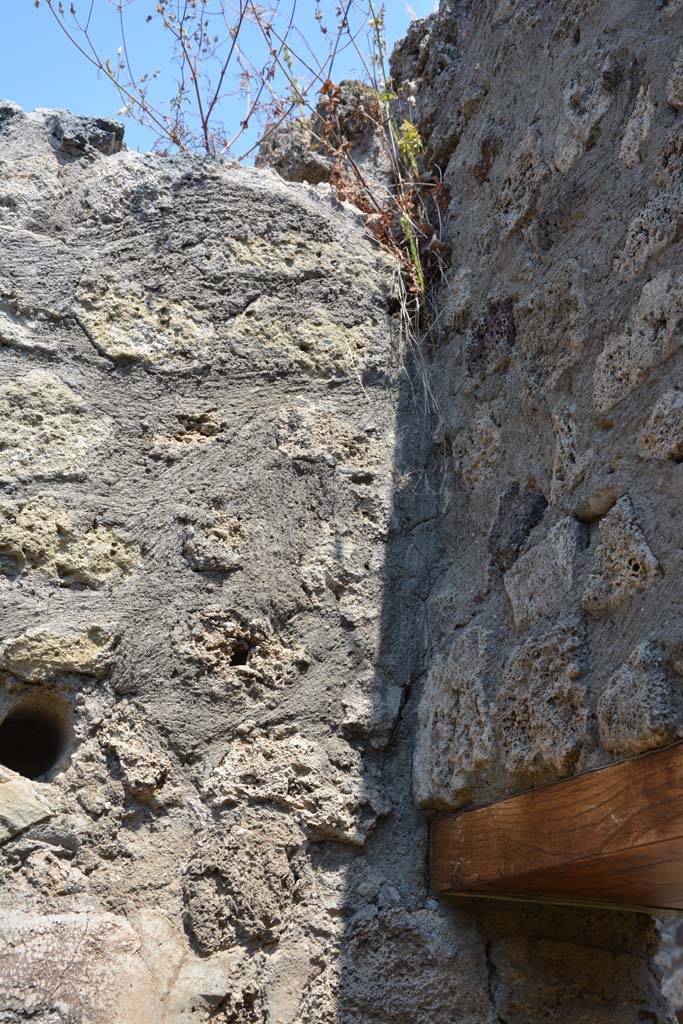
<point x="555" y="641"/>
<point x="196" y="453"/>
<point x="265" y="612"/>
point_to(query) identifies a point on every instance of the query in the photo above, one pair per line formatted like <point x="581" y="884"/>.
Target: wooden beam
<point x="612" y="837"/>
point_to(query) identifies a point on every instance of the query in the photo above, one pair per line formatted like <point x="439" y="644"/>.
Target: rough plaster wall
<point x="205" y="587"/>
<point x="555" y="620"/>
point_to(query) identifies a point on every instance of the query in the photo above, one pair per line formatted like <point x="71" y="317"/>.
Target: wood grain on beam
<point x="613" y="836"/>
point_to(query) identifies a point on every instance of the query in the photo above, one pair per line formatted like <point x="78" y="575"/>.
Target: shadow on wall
<point x="408" y="958"/>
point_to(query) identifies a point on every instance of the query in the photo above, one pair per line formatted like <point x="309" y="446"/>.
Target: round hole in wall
<point x="33" y="738"/>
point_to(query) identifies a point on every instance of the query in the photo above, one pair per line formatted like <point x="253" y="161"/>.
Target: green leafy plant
<point x="410" y="145"/>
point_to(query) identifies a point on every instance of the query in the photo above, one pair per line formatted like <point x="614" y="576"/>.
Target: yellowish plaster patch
<point x="313" y="341"/>
<point x="124" y="321"/>
<point x="39" y="536"/>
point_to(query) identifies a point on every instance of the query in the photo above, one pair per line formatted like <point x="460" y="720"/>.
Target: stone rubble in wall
<point x="570" y="464"/>
<point x="637" y="128"/>
<point x="47" y="432"/>
<point x="623" y="563"/>
<point x="650" y="338"/>
<point x="44" y="653"/>
<point x="323" y="786"/>
<point x="642" y="705"/>
<point x="662" y="435"/>
<point x="42" y="535"/>
<point x="540" y="714"/>
<point x="455" y="737"/>
<point x="540" y="580"/>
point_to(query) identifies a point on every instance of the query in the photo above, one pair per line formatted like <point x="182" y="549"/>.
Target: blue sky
<point x="40" y="68"/>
